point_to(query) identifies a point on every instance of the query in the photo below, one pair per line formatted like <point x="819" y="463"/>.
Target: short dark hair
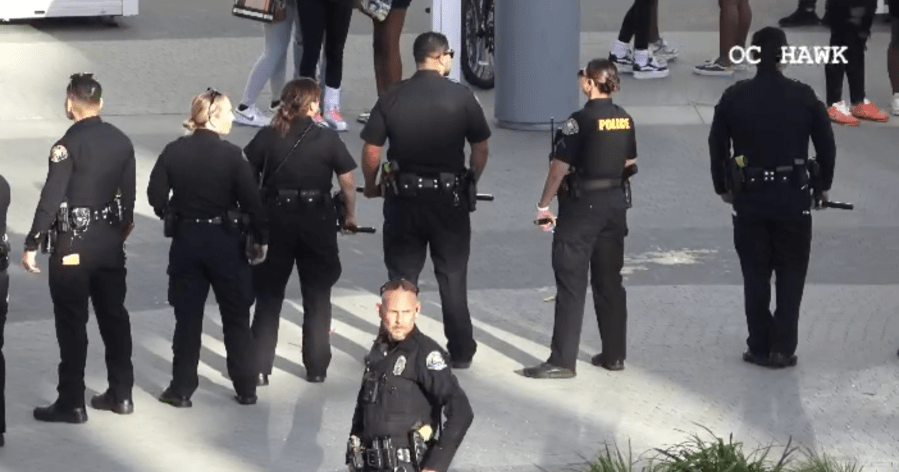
<point x="604" y="73"/>
<point x="85" y="89"/>
<point x="399" y="284"/>
<point x="769" y="40"/>
<point x="428" y="45"/>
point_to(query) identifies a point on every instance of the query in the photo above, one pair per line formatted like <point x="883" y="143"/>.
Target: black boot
<point x="177" y="401"/>
<point x="105" y="401"/>
<point x="57" y="414"/>
<point x="800" y="17"/>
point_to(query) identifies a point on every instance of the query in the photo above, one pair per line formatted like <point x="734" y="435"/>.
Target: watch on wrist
<point x="539" y="208"/>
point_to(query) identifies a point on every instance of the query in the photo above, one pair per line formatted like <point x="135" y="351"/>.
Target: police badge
<point x="400" y="366"/>
<point x="570" y="127"/>
<point x="59" y="153"/>
<point x="435" y="361"/>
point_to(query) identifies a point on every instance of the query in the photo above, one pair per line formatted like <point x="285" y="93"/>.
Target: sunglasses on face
<point x="449" y="52"/>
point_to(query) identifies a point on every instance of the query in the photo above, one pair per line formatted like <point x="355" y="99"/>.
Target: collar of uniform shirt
<point x="206" y="132"/>
<point x="426" y="73"/>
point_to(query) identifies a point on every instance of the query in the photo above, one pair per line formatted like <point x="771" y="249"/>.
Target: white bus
<point x="36" y="9"/>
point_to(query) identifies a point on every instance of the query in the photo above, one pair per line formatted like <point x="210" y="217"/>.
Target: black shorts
<point x="401" y="4"/>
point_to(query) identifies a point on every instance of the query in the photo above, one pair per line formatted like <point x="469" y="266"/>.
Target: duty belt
<point x="769" y="175"/>
<point x="600" y="184"/>
<point x="445" y="181"/>
<point x="209" y="221"/>
<point x="289" y="196"/>
<point x="381" y="454"/>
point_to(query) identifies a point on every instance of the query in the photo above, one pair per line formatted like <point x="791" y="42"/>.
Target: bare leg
<point x="388" y="62"/>
<point x="745" y="22"/>
<point x="728" y="34"/>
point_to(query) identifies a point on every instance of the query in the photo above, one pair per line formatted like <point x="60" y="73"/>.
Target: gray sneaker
<point x="624" y="64"/>
<point x="663" y="51"/>
<point x="712" y="68"/>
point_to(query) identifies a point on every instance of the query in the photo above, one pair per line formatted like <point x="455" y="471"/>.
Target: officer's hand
<point x="261" y="250"/>
<point x="373" y="191"/>
<point x="825" y="197"/>
<point x="727" y="198"/>
<point x="349" y="225"/>
<point x="547" y="215"/>
<point x="29" y="262"/>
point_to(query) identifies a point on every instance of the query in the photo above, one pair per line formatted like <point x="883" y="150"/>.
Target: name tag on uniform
<point x="613" y="124"/>
<point x="71" y="260"/>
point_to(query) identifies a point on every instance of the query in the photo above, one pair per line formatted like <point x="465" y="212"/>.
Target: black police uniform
<point x="4" y="297"/>
<point x="769" y="119"/>
<point x="208" y="178"/>
<point x="406" y="385"/>
<point x="302" y="231"/>
<point x="596" y="141"/>
<point x="89" y="166"/>
<point x="428" y="119"/>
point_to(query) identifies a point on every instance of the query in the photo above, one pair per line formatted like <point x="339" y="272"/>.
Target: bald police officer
<point x="591" y="152"/>
<point x="87" y="224"/>
<point x="428" y="119"/>
<point x="406" y="390"/>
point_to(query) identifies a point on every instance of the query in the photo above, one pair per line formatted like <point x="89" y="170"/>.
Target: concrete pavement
<point x="686" y="327"/>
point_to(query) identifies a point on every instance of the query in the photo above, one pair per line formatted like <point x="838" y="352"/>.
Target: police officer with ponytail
<point x="759" y="156"/>
<point x="294" y="160"/>
<point x="203" y="188"/>
<point x="593" y="152"/>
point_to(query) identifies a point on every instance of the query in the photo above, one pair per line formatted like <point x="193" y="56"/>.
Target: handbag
<point x="376" y="9"/>
<point x="266" y="11"/>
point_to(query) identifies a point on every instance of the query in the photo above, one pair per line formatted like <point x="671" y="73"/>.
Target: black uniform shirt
<point x="207" y="177"/>
<point x="312" y="165"/>
<point x="419" y="384"/>
<point x="4" y="204"/>
<point x="92" y="163"/>
<point x="597" y="140"/>
<point x="770" y="119"/>
<point x="427" y="119"/>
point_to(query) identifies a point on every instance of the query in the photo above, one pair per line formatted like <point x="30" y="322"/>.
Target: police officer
<point x="86" y="212"/>
<point x="406" y="388"/>
<point x="766" y="181"/>
<point x="4" y="298"/>
<point x="294" y="160"/>
<point x="428" y="119"/>
<point x="598" y="141"/>
<point x="212" y="194"/>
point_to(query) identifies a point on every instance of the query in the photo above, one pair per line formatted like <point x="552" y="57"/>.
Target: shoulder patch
<point x="570" y="127"/>
<point x="59" y="153"/>
<point x="435" y="361"/>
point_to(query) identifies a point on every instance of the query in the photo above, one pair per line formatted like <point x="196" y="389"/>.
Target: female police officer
<point x="598" y="142"/>
<point x="294" y="161"/>
<point x="208" y="178"/>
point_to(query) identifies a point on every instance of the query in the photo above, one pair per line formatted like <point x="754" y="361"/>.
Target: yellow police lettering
<point x="612" y="124"/>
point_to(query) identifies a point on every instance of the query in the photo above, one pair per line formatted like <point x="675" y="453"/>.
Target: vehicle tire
<point x="477" y="44"/>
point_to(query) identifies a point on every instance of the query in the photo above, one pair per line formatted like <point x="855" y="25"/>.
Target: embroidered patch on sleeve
<point x="570" y="127"/>
<point x="435" y="361"/>
<point x="59" y="153"/>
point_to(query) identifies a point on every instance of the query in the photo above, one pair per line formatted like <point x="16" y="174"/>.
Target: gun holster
<point x="735" y="179"/>
<point x="48" y="241"/>
<point x="629" y="172"/>
<point x="471" y="190"/>
<point x="572" y="186"/>
<point x="169" y="223"/>
<point x="388" y="181"/>
<point x="419" y="448"/>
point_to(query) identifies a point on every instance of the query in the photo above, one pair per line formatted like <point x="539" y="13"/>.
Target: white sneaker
<point x="335" y="121"/>
<point x="251" y="117"/>
<point x="896" y="104"/>
<point x="663" y="51"/>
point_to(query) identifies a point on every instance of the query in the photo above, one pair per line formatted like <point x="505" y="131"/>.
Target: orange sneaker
<point x="839" y="113"/>
<point x="869" y="111"/>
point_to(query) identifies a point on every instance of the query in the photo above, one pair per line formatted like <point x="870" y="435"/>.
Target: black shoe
<point x="1" y="440"/>
<point x="262" y="380"/>
<point x="315" y="378"/>
<point x="177" y="401"/>
<point x="751" y="358"/>
<point x="614" y="365"/>
<point x="106" y="402"/>
<point x="548" y="371"/>
<point x="800" y="17"/>
<point x="56" y="414"/>
<point x="779" y="361"/>
<point x="246" y="399"/>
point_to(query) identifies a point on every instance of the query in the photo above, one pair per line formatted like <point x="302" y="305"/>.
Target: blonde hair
<point x="205" y="109"/>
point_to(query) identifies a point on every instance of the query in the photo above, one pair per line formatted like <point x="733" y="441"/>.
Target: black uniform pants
<point x="850" y="26"/>
<point x="636" y="24"/>
<point x="99" y="277"/>
<point x="782" y="247"/>
<point x="589" y="241"/>
<point x="4" y="308"/>
<point x="201" y="256"/>
<point x="431" y="219"/>
<point x="305" y="237"/>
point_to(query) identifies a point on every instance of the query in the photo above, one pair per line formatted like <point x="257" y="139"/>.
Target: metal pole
<point x="446" y="18"/>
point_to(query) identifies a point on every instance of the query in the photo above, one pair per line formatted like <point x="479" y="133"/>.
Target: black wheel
<point x="477" y="43"/>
